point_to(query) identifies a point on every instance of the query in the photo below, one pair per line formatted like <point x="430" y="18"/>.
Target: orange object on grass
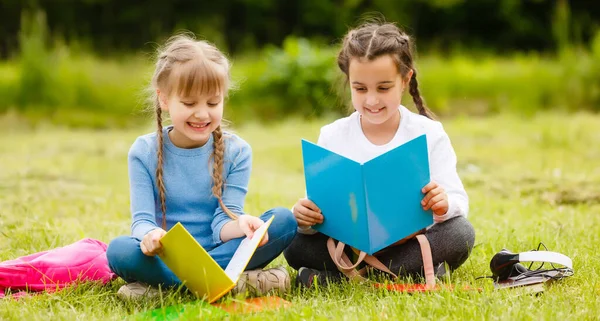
<point x="419" y="287"/>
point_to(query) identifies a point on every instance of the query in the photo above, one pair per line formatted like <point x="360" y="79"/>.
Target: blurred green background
<point x="517" y="84"/>
<point x="86" y="63"/>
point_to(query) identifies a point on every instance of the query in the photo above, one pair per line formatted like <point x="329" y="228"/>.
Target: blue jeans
<point x="126" y="259"/>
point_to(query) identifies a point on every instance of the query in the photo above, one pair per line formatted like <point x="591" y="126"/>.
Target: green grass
<point x="529" y="180"/>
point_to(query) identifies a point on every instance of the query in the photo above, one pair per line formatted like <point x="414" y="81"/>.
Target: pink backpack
<point x="84" y="260"/>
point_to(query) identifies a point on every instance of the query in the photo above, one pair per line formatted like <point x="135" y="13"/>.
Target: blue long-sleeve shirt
<point x="187" y="175"/>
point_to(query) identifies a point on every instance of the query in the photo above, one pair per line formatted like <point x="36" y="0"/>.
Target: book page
<point x="393" y="182"/>
<point x="335" y="184"/>
<point x="244" y="253"/>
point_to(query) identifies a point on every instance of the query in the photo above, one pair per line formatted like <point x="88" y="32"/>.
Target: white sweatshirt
<point x="345" y="137"/>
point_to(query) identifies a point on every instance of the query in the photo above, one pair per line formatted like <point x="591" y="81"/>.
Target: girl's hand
<point x="150" y="244"/>
<point x="435" y="198"/>
<point x="249" y="224"/>
<point x="307" y="213"/>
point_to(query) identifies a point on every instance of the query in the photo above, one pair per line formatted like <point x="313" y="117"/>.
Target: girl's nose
<point x="372" y="101"/>
<point x="201" y="113"/>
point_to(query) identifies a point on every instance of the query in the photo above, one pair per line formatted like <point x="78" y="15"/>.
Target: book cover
<point x="372" y="205"/>
<point x="197" y="269"/>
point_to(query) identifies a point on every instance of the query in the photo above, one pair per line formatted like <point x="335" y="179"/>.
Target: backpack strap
<point x="342" y="261"/>
<point x="427" y="261"/>
<point x="344" y="265"/>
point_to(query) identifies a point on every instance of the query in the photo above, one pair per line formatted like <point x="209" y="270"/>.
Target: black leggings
<point x="451" y="242"/>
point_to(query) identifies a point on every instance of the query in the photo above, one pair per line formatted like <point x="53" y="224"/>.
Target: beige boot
<point x="137" y="290"/>
<point x="259" y="282"/>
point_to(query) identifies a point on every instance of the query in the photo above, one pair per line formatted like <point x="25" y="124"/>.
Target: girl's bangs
<point x="200" y="78"/>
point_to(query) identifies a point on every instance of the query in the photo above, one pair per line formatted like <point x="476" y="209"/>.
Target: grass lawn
<point x="529" y="180"/>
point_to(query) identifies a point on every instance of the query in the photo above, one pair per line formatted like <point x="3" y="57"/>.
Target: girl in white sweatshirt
<point x="378" y="63"/>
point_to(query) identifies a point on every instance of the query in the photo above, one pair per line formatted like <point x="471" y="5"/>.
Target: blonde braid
<point x="218" y="151"/>
<point x="159" y="166"/>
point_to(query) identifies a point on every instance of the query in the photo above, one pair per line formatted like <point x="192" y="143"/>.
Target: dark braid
<point x="413" y="89"/>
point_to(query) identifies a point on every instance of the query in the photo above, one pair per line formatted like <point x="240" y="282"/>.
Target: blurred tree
<point x="10" y="17"/>
<point x="237" y="25"/>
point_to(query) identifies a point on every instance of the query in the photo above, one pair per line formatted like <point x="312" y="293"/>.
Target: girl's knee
<point x="282" y="216"/>
<point x="121" y="250"/>
<point x="454" y="241"/>
<point x="464" y="230"/>
<point x="284" y="221"/>
<point x="288" y="224"/>
<point x="287" y="218"/>
<point x="460" y="231"/>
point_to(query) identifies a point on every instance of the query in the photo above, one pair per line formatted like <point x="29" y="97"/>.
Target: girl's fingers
<point x="156" y="244"/>
<point x="310" y="214"/>
<point x="431" y="185"/>
<point x="144" y="249"/>
<point x="302" y="222"/>
<point x="147" y="249"/>
<point x="308" y="219"/>
<point x="255" y="225"/>
<point x="264" y="240"/>
<point x="150" y="244"/>
<point x="440" y="208"/>
<point x="300" y="216"/>
<point x="309" y="204"/>
<point x="246" y="229"/>
<point x="434" y="200"/>
<point x="430" y="194"/>
<point x="305" y="214"/>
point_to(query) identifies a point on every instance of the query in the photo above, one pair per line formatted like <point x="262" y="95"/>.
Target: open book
<point x="372" y="205"/>
<point x="197" y="269"/>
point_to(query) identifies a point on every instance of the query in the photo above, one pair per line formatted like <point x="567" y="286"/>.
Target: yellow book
<point x="197" y="269"/>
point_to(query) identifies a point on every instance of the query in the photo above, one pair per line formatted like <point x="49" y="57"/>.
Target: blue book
<point x="373" y="205"/>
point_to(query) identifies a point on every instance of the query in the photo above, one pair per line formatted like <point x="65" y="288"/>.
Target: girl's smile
<point x="374" y="110"/>
<point x="199" y="127"/>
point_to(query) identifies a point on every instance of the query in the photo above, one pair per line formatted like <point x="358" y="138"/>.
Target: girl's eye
<point x="188" y="104"/>
<point x="213" y="104"/>
<point x="360" y="89"/>
<point x="384" y="88"/>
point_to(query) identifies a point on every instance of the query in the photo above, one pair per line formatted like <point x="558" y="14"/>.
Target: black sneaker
<point x="440" y="271"/>
<point x="307" y="277"/>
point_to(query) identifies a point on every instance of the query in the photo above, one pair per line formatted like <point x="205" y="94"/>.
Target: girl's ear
<point x="162" y="100"/>
<point x="406" y="81"/>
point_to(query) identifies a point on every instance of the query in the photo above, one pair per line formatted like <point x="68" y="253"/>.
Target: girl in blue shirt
<point x="195" y="173"/>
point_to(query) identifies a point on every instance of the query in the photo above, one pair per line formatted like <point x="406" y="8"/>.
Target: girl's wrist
<point x="231" y="230"/>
